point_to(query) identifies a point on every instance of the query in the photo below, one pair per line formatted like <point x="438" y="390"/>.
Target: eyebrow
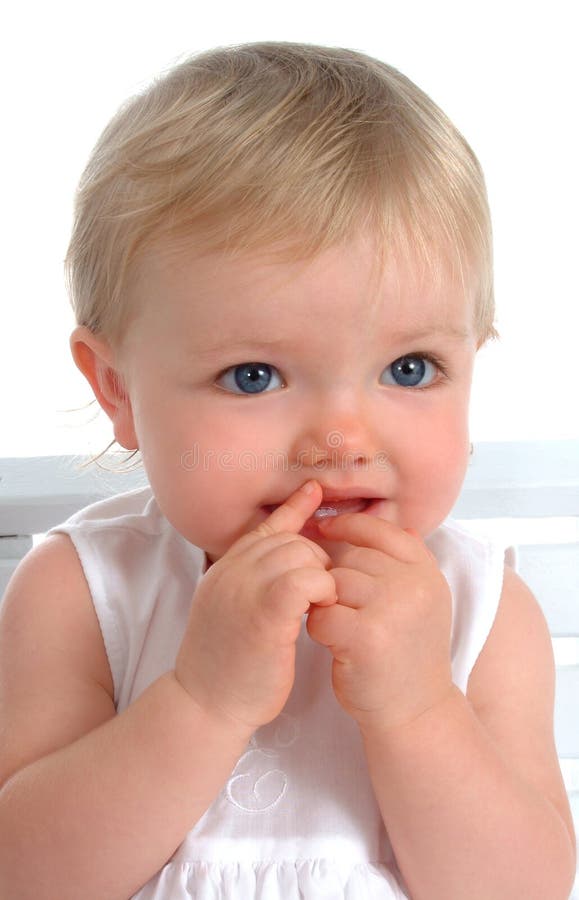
<point x="452" y="332"/>
<point x="237" y="345"/>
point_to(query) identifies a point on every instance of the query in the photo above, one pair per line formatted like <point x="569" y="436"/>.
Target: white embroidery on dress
<point x="261" y="788"/>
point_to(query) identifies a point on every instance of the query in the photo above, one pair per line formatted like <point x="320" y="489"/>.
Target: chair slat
<point x="15" y="546"/>
<point x="37" y="493"/>
<point x="12" y="549"/>
<point x="521" y="479"/>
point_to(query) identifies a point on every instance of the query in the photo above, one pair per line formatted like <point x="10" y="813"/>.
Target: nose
<point x="337" y="436"/>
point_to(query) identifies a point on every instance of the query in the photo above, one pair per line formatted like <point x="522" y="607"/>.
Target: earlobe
<point x="95" y="359"/>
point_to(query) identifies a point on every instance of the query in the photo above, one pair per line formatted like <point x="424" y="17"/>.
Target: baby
<point x="280" y="671"/>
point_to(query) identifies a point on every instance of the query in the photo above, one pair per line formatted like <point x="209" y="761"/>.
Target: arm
<point x="469" y="787"/>
<point x="92" y="802"/>
<point x="470" y="791"/>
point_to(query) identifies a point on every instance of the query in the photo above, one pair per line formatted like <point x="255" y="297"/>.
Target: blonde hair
<point x="277" y="145"/>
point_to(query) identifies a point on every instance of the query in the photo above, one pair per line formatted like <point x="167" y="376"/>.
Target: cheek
<point x="444" y="451"/>
<point x="205" y="501"/>
<point x="433" y="467"/>
<point x="207" y="478"/>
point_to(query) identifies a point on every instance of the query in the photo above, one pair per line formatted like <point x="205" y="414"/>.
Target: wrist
<point x="209" y="717"/>
<point x="393" y="726"/>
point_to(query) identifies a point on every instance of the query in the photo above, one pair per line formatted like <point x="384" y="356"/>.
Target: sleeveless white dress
<point x="297" y="818"/>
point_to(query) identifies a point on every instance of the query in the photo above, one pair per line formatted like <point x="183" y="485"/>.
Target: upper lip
<point x="329" y="493"/>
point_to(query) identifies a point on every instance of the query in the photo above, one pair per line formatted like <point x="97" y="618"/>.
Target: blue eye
<point x="411" y="371"/>
<point x="248" y="378"/>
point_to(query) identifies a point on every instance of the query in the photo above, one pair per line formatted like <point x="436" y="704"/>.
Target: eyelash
<point x="435" y="361"/>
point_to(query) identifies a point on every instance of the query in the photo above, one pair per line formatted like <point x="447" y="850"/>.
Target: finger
<point x="332" y="626"/>
<point x="354" y="589"/>
<point x="257" y="547"/>
<point x="369" y="531"/>
<point x="362" y="559"/>
<point x="293" y="514"/>
<point x="289" y="551"/>
<point x="291" y="594"/>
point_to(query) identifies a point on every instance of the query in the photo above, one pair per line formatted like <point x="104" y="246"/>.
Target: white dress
<point x="297" y="819"/>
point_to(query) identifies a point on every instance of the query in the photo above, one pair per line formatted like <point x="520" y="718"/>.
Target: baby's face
<point x="248" y="377"/>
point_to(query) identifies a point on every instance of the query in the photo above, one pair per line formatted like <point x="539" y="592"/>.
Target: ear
<point x="95" y="359"/>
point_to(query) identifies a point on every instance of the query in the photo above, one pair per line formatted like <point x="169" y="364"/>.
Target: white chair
<point x="527" y="491"/>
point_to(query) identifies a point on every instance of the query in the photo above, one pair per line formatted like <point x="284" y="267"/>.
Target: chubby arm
<point x="93" y="804"/>
<point x="469" y="786"/>
<point x="471" y="791"/>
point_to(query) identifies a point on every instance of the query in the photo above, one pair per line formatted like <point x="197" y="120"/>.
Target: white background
<point x="506" y="73"/>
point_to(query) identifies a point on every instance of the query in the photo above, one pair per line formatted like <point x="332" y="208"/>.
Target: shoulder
<point x="55" y="681"/>
<point x="49" y="578"/>
<point x="512" y="691"/>
<point x="49" y="596"/>
<point x="473" y="565"/>
<point x="517" y="654"/>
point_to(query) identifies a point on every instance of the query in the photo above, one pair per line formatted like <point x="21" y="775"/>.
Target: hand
<point x="237" y="657"/>
<point x="389" y="632"/>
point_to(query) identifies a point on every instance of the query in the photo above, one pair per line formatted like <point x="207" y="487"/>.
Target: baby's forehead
<point x="393" y="269"/>
<point x="268" y="293"/>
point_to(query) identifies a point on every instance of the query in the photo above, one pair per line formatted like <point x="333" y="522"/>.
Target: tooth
<point x="325" y="511"/>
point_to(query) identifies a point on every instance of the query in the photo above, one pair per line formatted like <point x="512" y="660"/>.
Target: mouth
<point x="335" y="507"/>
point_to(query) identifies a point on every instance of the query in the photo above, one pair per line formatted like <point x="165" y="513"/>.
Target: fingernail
<point x="309" y="487"/>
